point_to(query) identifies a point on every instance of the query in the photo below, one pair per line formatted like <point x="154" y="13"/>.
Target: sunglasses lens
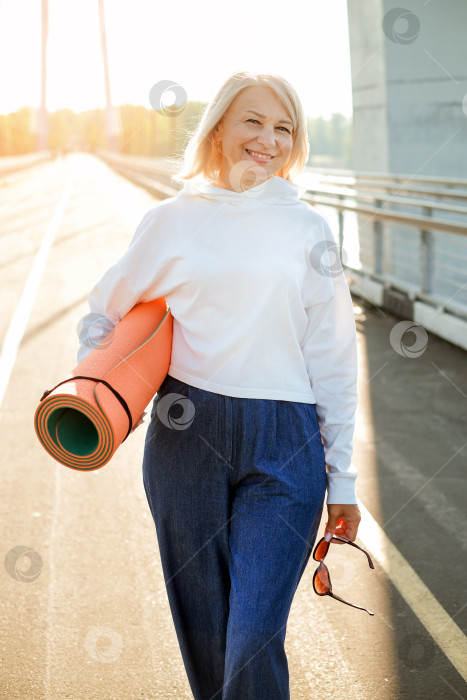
<point x="321" y="580"/>
<point x="321" y="550"/>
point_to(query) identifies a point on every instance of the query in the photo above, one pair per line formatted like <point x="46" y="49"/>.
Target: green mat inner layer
<point x="75" y="431"/>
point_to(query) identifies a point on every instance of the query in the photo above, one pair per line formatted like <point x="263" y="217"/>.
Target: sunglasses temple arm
<point x="352" y="605"/>
<point x="372" y="566"/>
<point x="362" y="550"/>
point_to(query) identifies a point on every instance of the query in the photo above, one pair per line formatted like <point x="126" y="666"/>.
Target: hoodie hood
<point x="275" y="190"/>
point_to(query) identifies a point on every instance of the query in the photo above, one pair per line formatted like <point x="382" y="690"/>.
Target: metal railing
<point x="376" y="197"/>
<point x="154" y="174"/>
<point x="12" y="164"/>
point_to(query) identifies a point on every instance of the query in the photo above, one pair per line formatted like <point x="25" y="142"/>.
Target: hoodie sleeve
<point x="330" y="353"/>
<point x="141" y="274"/>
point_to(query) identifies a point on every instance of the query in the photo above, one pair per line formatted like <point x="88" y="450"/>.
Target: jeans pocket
<point x="313" y="418"/>
<point x="162" y="391"/>
<point x="173" y="404"/>
<point x="169" y="385"/>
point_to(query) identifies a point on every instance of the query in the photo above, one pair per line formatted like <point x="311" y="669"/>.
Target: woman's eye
<point x="283" y="128"/>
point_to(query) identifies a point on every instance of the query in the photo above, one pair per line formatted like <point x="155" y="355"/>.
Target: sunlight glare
<point x="145" y="42"/>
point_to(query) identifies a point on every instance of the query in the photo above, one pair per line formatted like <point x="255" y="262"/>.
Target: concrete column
<point x="409" y="87"/>
<point x="409" y="81"/>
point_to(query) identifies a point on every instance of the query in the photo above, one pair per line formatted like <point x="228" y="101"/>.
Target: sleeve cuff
<point x="341" y="488"/>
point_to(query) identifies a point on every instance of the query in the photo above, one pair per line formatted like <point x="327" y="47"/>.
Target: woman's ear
<point x="217" y="133"/>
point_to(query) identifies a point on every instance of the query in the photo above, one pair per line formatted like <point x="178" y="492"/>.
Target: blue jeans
<point x="236" y="488"/>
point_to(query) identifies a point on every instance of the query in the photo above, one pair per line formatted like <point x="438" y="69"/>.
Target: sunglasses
<point x="321" y="579"/>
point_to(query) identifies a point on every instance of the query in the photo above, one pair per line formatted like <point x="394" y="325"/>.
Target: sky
<point x="194" y="44"/>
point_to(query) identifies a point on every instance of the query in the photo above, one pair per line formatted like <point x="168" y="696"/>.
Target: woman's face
<point x="255" y="134"/>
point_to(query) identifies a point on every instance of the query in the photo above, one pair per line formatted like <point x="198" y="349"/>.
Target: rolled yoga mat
<point x="83" y="420"/>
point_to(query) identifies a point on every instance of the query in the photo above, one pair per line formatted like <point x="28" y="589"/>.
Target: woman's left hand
<point x="343" y="520"/>
<point x="140" y="421"/>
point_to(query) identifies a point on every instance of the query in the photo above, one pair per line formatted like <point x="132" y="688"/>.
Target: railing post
<point x="340" y="219"/>
<point x="378" y="241"/>
<point x="426" y="257"/>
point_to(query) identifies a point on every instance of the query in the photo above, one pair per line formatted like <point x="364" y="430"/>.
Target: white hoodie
<point x="260" y="310"/>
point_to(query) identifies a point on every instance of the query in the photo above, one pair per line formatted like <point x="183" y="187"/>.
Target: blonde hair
<point x="202" y="158"/>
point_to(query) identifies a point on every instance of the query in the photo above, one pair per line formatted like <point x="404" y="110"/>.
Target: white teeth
<point x="259" y="155"/>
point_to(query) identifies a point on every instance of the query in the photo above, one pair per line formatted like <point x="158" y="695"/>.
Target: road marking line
<point x="20" y="318"/>
<point x="441" y="627"/>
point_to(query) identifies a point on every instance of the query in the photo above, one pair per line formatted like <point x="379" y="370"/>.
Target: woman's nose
<point x="267" y="136"/>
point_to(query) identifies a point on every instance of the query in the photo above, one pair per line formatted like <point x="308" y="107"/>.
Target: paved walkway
<point x="86" y="616"/>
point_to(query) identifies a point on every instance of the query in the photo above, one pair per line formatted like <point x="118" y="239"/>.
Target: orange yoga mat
<point x="83" y="420"/>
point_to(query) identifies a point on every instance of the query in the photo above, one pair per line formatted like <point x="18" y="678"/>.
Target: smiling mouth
<point x="259" y="156"/>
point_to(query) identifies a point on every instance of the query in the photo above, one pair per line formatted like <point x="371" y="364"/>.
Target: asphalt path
<point x="83" y="607"/>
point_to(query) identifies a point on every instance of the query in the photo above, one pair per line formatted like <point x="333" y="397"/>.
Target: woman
<point x="261" y="391"/>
